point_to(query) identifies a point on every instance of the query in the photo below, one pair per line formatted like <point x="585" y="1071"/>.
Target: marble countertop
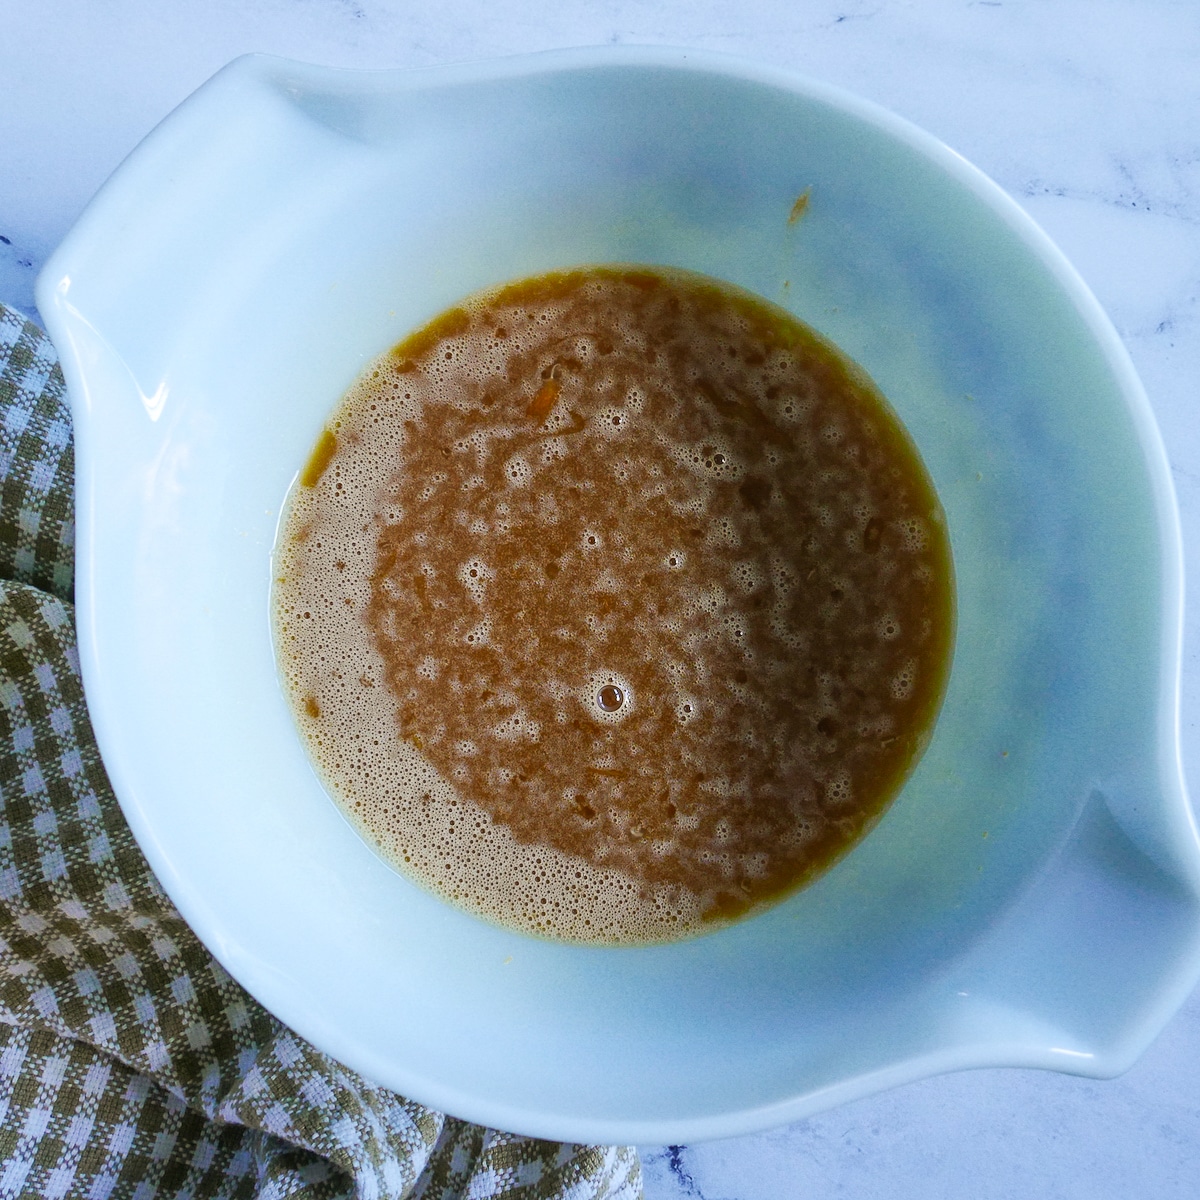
<point x="1085" y="111"/>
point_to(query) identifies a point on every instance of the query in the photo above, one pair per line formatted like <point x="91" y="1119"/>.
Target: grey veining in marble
<point x="1086" y="111"/>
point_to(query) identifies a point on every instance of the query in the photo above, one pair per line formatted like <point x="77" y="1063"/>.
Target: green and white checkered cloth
<point x="131" y="1064"/>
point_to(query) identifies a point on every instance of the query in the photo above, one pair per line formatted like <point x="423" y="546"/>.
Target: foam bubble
<point x="904" y="681"/>
<point x="475" y="575"/>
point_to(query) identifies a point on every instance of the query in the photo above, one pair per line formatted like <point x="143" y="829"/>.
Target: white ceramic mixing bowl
<point x="1033" y="896"/>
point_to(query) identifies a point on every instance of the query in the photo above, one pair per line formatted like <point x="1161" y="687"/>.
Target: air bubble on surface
<point x="915" y="533"/>
<point x="517" y="471"/>
<point x="478" y="635"/>
<point x="887" y="627"/>
<point x="904" y="681"/>
<point x="600" y="686"/>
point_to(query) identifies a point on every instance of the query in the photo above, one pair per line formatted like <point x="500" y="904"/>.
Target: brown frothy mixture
<point x="614" y="604"/>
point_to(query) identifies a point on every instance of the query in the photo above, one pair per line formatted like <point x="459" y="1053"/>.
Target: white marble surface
<point x="1086" y="111"/>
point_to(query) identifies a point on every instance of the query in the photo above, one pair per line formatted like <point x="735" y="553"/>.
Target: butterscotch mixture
<point x="614" y="604"/>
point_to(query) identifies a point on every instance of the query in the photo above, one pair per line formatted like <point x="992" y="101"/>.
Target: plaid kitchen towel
<point x="131" y="1064"/>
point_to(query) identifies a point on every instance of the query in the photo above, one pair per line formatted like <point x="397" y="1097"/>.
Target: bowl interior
<point x="286" y="225"/>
